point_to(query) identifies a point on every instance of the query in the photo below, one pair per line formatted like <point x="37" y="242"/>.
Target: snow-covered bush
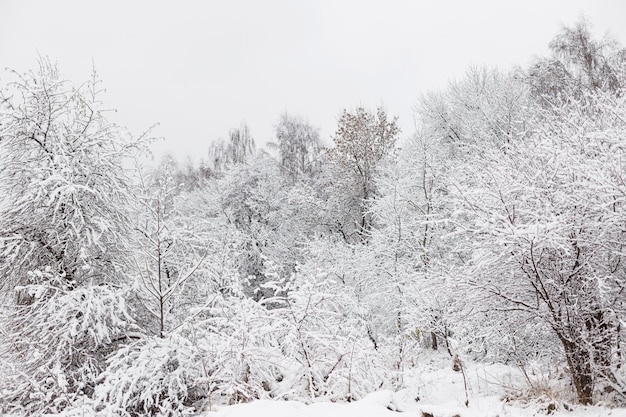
<point x="326" y="336"/>
<point x="154" y="376"/>
<point x="239" y="344"/>
<point x="56" y="344"/>
<point x="309" y="342"/>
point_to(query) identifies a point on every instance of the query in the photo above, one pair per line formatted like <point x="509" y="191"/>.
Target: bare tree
<point x="579" y="63"/>
<point x="299" y="148"/>
<point x="362" y="141"/>
<point x="239" y="148"/>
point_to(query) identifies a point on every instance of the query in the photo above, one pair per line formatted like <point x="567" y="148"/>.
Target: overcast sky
<point x="200" y="68"/>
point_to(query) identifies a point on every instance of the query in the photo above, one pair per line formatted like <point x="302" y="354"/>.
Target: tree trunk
<point x="579" y="364"/>
<point x="604" y="338"/>
<point x="433" y="338"/>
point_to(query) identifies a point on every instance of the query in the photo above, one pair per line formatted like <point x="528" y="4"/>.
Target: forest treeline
<point x="303" y="270"/>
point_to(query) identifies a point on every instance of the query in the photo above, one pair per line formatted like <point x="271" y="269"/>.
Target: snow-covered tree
<point x="64" y="238"/>
<point x="64" y="181"/>
<point x="166" y="257"/>
<point x="485" y="109"/>
<point x="544" y="225"/>
<point x="274" y="217"/>
<point x="406" y="241"/>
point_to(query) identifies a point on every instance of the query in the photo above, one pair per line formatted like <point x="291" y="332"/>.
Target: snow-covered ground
<point x="440" y="392"/>
<point x="377" y="405"/>
<point x="437" y="391"/>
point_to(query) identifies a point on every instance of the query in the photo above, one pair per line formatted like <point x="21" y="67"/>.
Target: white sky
<point x="200" y="68"/>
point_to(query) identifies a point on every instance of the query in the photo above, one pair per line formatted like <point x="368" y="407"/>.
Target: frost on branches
<point x="55" y="346"/>
<point x="546" y="221"/>
<point x="496" y="234"/>
<point x="63" y="239"/>
<point x="63" y="177"/>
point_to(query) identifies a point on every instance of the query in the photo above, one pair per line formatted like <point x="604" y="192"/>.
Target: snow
<point x="371" y="406"/>
<point x="381" y="404"/>
<point x="440" y="393"/>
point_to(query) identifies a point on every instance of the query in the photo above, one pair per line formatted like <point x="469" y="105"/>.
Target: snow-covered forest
<point x="319" y="269"/>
